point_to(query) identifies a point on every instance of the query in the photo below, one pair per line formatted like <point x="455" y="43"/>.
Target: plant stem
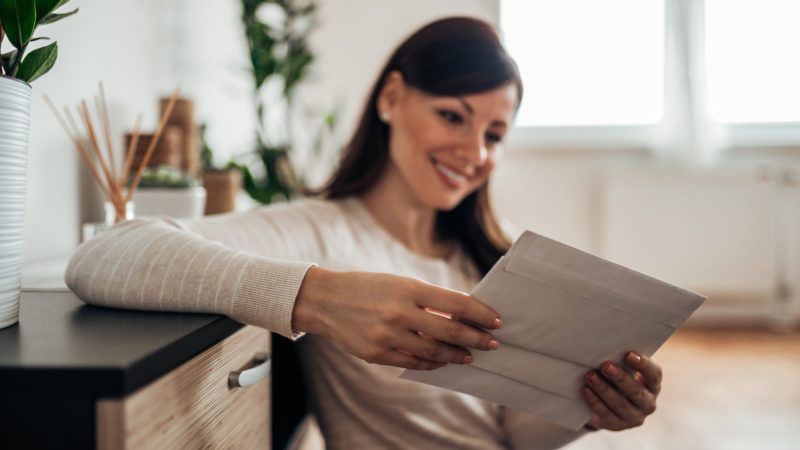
<point x="17" y="61"/>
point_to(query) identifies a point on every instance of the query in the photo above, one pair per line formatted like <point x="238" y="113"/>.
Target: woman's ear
<point x="390" y="95"/>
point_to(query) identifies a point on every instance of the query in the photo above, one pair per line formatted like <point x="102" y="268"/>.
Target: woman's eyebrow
<point x="466" y="105"/>
<point x="471" y="111"/>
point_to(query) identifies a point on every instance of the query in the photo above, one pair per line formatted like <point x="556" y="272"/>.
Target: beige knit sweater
<point x="249" y="266"/>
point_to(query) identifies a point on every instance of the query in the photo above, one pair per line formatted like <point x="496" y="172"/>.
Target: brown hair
<point x="449" y="57"/>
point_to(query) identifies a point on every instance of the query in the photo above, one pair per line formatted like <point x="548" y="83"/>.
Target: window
<point x="649" y="72"/>
<point x="581" y="62"/>
<point x="752" y="60"/>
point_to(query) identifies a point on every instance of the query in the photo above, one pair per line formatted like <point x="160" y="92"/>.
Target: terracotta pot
<point x="222" y="187"/>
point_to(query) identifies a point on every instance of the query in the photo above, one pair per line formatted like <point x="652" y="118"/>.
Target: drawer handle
<point x="242" y="378"/>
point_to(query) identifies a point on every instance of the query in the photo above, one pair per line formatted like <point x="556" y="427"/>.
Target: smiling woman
<point x="403" y="229"/>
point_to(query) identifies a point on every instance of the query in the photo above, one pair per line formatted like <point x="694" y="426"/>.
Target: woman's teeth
<point x="450" y="174"/>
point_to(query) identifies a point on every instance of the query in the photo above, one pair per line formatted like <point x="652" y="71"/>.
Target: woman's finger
<point x="630" y="388"/>
<point x="452" y="331"/>
<point x="605" y="418"/>
<point x="406" y="361"/>
<point x="649" y="369"/>
<point x="459" y="305"/>
<point x="617" y="403"/>
<point x="432" y="349"/>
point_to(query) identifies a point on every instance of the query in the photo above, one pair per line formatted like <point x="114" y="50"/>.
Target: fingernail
<point x="612" y="370"/>
<point x="634" y="358"/>
<point x="467" y="359"/>
<point x="497" y="323"/>
<point x="493" y="344"/>
<point x="594" y="378"/>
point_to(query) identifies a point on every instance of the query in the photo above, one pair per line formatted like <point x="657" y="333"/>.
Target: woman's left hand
<point x="620" y="399"/>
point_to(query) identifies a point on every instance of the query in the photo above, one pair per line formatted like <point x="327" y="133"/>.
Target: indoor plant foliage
<point x="19" y="19"/>
<point x="276" y="32"/>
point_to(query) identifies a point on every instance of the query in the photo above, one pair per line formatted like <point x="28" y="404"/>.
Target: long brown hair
<point x="449" y="57"/>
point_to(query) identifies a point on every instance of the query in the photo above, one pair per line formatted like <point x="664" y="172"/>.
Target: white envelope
<point x="565" y="312"/>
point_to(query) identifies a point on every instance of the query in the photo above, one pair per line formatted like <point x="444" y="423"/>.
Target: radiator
<point x="715" y="232"/>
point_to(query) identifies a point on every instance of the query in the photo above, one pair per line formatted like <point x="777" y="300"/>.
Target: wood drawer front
<point x="192" y="406"/>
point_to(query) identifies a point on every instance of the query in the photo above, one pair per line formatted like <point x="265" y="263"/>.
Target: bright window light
<point x="587" y="62"/>
<point x="753" y="60"/>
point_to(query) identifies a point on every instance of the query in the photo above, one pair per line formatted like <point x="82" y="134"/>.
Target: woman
<point x="405" y="227"/>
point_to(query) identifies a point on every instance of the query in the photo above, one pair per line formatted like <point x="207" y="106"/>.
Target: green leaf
<point x="46" y="7"/>
<point x="40" y="38"/>
<point x="38" y="62"/>
<point x="50" y="18"/>
<point x="19" y="20"/>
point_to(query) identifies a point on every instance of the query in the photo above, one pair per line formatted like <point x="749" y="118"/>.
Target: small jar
<point x="113" y="216"/>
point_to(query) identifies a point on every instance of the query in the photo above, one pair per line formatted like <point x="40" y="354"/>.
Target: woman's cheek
<point x="487" y="168"/>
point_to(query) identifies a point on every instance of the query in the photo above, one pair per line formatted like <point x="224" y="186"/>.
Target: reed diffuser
<point x="104" y="169"/>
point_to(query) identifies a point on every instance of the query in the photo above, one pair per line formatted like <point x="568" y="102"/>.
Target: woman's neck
<point x="398" y="211"/>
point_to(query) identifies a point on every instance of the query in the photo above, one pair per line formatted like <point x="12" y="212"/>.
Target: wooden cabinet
<point x="193" y="406"/>
<point x="79" y="376"/>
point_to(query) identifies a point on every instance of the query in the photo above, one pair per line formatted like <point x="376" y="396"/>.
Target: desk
<point x="78" y="376"/>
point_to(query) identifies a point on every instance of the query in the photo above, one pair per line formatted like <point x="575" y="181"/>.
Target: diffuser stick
<point x="152" y="146"/>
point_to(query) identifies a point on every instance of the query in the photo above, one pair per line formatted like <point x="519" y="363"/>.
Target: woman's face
<point x="444" y="148"/>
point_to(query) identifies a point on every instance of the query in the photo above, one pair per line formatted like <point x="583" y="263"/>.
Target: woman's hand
<point x="619" y="399"/>
<point x="384" y="319"/>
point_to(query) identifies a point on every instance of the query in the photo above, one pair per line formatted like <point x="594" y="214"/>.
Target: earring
<point x="386" y="116"/>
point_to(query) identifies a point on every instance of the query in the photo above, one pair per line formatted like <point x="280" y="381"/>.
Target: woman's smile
<point x="449" y="176"/>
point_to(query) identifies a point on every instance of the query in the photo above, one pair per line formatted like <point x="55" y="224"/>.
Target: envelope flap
<point x="589" y="276"/>
<point x="549" y="320"/>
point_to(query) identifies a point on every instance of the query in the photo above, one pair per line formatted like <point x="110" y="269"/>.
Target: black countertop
<point x="63" y="345"/>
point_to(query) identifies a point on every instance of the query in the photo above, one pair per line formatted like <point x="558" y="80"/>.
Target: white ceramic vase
<point x="15" y="108"/>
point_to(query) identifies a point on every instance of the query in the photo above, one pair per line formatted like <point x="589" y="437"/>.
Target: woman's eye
<point x="493" y="138"/>
<point x="451" y="117"/>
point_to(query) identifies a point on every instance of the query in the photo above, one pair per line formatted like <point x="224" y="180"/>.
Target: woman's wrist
<point x="306" y="315"/>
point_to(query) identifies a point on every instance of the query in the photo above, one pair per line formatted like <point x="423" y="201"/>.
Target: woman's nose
<point x="475" y="151"/>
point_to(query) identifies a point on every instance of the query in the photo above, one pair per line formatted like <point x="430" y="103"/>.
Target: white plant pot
<point x="15" y="112"/>
<point x="178" y="203"/>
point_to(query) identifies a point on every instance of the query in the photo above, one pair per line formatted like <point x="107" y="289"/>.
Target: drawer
<point x="192" y="406"/>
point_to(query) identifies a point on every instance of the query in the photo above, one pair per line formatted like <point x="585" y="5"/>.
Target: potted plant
<point x="19" y="20"/>
<point x="222" y="183"/>
<point x="169" y="191"/>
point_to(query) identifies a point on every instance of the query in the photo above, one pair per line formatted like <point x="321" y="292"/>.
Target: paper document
<point x="565" y="312"/>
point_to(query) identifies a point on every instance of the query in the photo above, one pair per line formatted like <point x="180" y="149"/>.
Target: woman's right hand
<point x="385" y="319"/>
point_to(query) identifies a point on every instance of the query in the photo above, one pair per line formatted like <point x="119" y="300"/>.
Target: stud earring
<point x="386" y="116"/>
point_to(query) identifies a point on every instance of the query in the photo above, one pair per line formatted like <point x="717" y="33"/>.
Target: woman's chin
<point x="447" y="203"/>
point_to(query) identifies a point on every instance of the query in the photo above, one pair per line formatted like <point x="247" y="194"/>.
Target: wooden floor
<point x="723" y="390"/>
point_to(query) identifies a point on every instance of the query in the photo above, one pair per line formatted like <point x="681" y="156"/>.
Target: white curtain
<point x="686" y="136"/>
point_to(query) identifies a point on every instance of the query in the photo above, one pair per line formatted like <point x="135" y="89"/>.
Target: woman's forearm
<point x="154" y="264"/>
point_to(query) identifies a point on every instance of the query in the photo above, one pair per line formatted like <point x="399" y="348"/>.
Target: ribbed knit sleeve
<point x="162" y="265"/>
